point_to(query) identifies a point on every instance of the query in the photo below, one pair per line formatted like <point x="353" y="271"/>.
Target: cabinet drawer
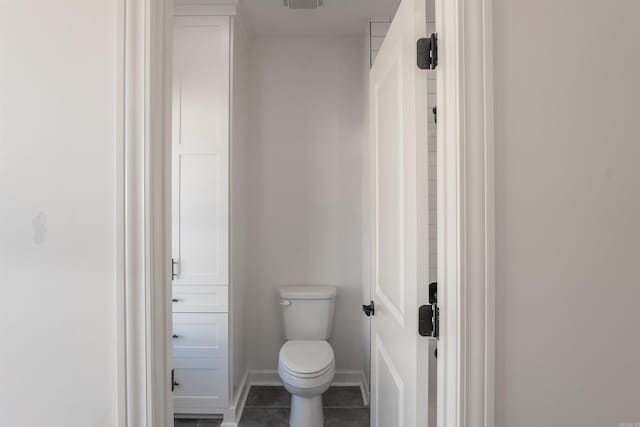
<point x="199" y="390"/>
<point x="200" y="335"/>
<point x="200" y="299"/>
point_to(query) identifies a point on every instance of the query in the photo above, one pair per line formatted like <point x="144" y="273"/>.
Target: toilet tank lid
<point x="308" y="292"/>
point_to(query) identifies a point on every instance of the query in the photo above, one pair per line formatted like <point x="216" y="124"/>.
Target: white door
<point x="399" y="375"/>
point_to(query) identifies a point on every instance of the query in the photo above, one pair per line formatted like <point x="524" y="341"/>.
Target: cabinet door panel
<point x="200" y="299"/>
<point x="200" y="335"/>
<point x="200" y="145"/>
<point x="199" y="390"/>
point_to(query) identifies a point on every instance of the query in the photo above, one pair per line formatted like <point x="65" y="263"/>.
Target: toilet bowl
<point x="306" y="363"/>
<point x="306" y="369"/>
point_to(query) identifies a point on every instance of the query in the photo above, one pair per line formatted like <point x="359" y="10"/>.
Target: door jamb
<point x="143" y="288"/>
<point x="465" y="213"/>
<point x="466" y="206"/>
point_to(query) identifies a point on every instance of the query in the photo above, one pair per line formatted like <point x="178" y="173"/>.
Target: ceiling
<point x="334" y="18"/>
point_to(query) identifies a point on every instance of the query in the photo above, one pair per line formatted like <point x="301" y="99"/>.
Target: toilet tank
<point x="307" y="311"/>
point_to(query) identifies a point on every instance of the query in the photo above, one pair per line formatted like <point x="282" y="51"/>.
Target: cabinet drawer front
<point x="200" y="299"/>
<point x="200" y="335"/>
<point x="200" y="390"/>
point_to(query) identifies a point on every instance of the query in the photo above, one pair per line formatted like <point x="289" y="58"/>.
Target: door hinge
<point x="429" y="315"/>
<point x="428" y="52"/>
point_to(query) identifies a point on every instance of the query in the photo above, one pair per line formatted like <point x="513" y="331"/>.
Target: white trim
<point x="239" y="401"/>
<point x="120" y="214"/>
<point x="202" y="10"/>
<point x="364" y="387"/>
<point x="206" y="8"/>
<point x="230" y="416"/>
<point x="271" y="377"/>
<point x="489" y="204"/>
<point x="144" y="396"/>
<point x="466" y="214"/>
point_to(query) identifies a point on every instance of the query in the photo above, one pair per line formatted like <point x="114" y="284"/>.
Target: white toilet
<point x="306" y="364"/>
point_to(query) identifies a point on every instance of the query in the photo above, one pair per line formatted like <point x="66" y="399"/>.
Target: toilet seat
<point x="306" y="368"/>
<point x="306" y="359"/>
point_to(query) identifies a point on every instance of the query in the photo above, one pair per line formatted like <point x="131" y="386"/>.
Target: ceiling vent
<point x="302" y="4"/>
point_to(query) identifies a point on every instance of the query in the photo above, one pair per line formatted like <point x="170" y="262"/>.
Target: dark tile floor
<point x="268" y="406"/>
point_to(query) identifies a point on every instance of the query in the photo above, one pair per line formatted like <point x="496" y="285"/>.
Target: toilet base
<point x="306" y="411"/>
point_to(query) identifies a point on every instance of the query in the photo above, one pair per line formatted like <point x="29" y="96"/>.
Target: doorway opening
<point x="284" y="175"/>
<point x="271" y="187"/>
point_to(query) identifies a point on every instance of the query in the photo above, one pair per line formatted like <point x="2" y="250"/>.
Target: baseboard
<point x="243" y="393"/>
<point x="264" y="377"/>
<point x="342" y="378"/>
<point x="364" y="388"/>
<point x="234" y="414"/>
<point x="270" y="377"/>
<point x="347" y="378"/>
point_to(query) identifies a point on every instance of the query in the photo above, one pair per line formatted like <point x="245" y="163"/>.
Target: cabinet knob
<point x="176" y="336"/>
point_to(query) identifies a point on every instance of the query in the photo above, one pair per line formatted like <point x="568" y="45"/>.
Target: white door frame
<point x="143" y="203"/>
<point x="465" y="213"/>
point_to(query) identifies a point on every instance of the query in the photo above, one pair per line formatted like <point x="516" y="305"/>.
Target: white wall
<point x="367" y="204"/>
<point x="57" y="234"/>
<point x="240" y="173"/>
<point x="568" y="212"/>
<point x="306" y="186"/>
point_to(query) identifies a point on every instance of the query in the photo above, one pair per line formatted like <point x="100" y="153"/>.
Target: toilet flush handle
<point x="285" y="302"/>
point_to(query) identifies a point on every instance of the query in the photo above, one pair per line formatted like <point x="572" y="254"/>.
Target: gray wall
<point x="240" y="187"/>
<point x="306" y="183"/>
<point x="568" y="212"/>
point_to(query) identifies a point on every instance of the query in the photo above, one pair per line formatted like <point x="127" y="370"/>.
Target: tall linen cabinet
<point x="203" y="322"/>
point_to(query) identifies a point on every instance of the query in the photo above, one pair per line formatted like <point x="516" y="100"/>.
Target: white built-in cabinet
<point x="200" y="201"/>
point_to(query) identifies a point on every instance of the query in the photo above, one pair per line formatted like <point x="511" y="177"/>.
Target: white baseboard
<point x="234" y="414"/>
<point x="341" y="379"/>
<point x="264" y="377"/>
<point x="364" y="388"/>
<point x="270" y="377"/>
<point x="243" y="393"/>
